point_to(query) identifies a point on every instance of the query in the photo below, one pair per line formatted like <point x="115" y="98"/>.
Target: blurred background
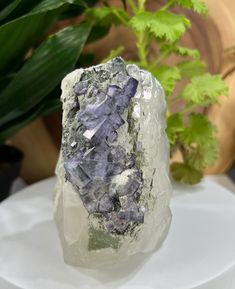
<point x="42" y="41"/>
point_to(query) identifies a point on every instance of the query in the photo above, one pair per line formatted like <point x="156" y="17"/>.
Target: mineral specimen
<point x="113" y="190"/>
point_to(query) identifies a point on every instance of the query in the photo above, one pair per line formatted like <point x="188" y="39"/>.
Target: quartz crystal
<point x="113" y="191"/>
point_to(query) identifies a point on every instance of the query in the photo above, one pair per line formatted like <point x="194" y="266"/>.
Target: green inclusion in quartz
<point x="99" y="239"/>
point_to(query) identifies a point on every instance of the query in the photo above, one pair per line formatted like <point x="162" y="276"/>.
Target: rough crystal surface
<point x="113" y="190"/>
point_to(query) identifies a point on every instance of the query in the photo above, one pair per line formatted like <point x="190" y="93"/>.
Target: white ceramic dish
<point x="200" y="245"/>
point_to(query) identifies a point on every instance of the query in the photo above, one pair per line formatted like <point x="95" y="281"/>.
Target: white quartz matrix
<point x="84" y="236"/>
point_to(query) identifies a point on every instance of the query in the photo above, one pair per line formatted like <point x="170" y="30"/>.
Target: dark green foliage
<point x="31" y="68"/>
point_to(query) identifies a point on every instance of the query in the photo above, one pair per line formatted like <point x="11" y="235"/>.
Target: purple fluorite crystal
<point x="93" y="164"/>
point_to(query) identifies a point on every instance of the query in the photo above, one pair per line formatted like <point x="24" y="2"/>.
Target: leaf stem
<point x="162" y="56"/>
<point x="113" y="53"/>
<point x="141" y="5"/>
<point x="123" y="20"/>
<point x="188" y="109"/>
<point x="133" y="6"/>
<point x="141" y="46"/>
<point x="168" y="5"/>
<point x="176" y="98"/>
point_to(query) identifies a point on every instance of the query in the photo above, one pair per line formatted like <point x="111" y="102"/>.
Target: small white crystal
<point x="73" y="144"/>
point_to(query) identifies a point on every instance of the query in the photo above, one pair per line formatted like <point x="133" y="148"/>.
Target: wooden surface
<point x="223" y="115"/>
<point x="214" y="37"/>
<point x="40" y="152"/>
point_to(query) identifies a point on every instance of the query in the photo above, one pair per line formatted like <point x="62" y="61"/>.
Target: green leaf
<point x="198" y="138"/>
<point x="204" y="89"/>
<point x="174" y="126"/>
<point x="43" y="108"/>
<point x="19" y="34"/>
<point x="199" y="131"/>
<point x="107" y="15"/>
<point x="24" y="7"/>
<point x="5" y="80"/>
<point x="167" y="76"/>
<point x="184" y="51"/>
<point x="85" y="60"/>
<point x="8" y="9"/>
<point x="51" y="61"/>
<point x="179" y="50"/>
<point x="98" y="31"/>
<point x="203" y="156"/>
<point x="162" y="24"/>
<point x="77" y="8"/>
<point x="5" y="3"/>
<point x="197" y="5"/>
<point x="189" y="69"/>
<point x="47" y="5"/>
<point x="200" y="147"/>
<point x="186" y="174"/>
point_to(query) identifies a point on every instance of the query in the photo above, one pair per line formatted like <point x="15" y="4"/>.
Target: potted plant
<point x="33" y="62"/>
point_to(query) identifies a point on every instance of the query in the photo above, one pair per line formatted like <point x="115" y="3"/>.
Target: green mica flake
<point x="99" y="239"/>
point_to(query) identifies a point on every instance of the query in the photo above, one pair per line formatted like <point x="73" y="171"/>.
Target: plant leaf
<point x="204" y="89"/>
<point x="186" y="174"/>
<point x="77" y="8"/>
<point x="189" y="69"/>
<point x="24" y="31"/>
<point x="24" y="7"/>
<point x="162" y="24"/>
<point x="47" y="5"/>
<point x="199" y="131"/>
<point x="204" y="155"/>
<point x="85" y="60"/>
<point x="197" y="5"/>
<point x="5" y="3"/>
<point x="106" y="15"/>
<point x="174" y="126"/>
<point x="184" y="51"/>
<point x="8" y="9"/>
<point x="51" y="61"/>
<point x="179" y="50"/>
<point x="98" y="31"/>
<point x="45" y="107"/>
<point x="198" y="138"/>
<point x="167" y="76"/>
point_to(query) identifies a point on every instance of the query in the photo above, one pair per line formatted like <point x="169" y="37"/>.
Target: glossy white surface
<point x="198" y="252"/>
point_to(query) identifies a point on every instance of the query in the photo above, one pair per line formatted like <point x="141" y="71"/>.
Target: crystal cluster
<point x="97" y="160"/>
<point x="113" y="190"/>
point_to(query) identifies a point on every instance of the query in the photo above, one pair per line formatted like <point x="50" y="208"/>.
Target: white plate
<point x="200" y="245"/>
